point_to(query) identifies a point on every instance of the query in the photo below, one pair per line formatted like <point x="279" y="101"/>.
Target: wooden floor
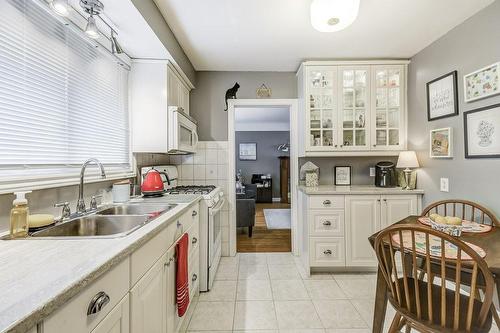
<point x="263" y="239"/>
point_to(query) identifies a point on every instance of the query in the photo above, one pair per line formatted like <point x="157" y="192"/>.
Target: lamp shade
<point x="407" y="159"/>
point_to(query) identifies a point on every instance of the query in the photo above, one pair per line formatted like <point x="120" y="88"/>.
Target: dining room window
<point x="63" y="99"/>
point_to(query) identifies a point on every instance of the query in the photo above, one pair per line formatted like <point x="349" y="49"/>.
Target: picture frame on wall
<point x="441" y="143"/>
<point x="248" y="151"/>
<point x="482" y="132"/>
<point x="482" y="83"/>
<point x="342" y="175"/>
<point x="442" y="97"/>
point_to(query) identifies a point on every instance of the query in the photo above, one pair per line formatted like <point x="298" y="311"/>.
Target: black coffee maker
<point x="385" y="174"/>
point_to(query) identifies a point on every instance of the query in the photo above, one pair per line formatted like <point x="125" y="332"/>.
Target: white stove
<point x="210" y="220"/>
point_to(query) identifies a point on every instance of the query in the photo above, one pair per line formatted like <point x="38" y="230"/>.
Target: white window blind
<point x="62" y="99"/>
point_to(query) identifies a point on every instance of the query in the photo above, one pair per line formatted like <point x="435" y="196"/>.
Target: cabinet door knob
<point x="194" y="278"/>
<point x="194" y="213"/>
<point x="327" y="202"/>
<point x="327" y="252"/>
<point x="385" y="200"/>
<point x="374" y="145"/>
<point x="328" y="223"/>
<point x="336" y="146"/>
<point x="179" y="224"/>
<point x="97" y="303"/>
<point x="378" y="200"/>
<point x="195" y="240"/>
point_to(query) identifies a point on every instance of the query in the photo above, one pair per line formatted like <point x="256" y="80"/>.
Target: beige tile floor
<point x="264" y="293"/>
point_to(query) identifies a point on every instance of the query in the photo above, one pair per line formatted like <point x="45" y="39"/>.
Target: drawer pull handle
<point x="194" y="213"/>
<point x="327" y="202"/>
<point x="97" y="303"/>
<point x="327" y="252"/>
<point x="194" y="278"/>
<point x="195" y="240"/>
<point x="169" y="261"/>
<point x="327" y="223"/>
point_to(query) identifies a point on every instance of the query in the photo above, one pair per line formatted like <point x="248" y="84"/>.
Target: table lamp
<point x="407" y="160"/>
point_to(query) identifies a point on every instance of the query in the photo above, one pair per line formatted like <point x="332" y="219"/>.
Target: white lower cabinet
<point x="139" y="294"/>
<point x="337" y="227"/>
<point x="362" y="221"/>
<point x="117" y="321"/>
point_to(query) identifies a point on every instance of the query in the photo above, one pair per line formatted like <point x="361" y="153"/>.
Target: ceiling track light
<point x="61" y="7"/>
<point x="115" y="46"/>
<point x="92" y="7"/>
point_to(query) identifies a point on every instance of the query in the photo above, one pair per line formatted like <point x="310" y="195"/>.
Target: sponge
<point x="40" y="220"/>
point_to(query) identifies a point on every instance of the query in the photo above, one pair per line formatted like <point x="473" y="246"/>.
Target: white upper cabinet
<point x="388" y="111"/>
<point x="153" y="87"/>
<point x="352" y="108"/>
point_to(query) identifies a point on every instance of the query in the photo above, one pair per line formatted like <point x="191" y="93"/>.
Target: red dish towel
<point x="181" y="275"/>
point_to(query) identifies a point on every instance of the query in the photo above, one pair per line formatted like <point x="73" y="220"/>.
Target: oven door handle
<point x="217" y="208"/>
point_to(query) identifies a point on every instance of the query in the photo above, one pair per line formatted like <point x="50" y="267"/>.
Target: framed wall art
<point x="441" y="143"/>
<point x="442" y="97"/>
<point x="342" y="175"/>
<point x="248" y="151"/>
<point x="482" y="83"/>
<point x="482" y="132"/>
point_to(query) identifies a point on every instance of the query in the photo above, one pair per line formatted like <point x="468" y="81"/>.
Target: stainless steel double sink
<point x="107" y="222"/>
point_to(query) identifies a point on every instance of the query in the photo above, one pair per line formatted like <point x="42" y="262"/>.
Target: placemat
<point x="468" y="226"/>
<point x="451" y="250"/>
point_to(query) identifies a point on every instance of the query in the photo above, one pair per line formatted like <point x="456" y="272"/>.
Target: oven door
<point x="215" y="232"/>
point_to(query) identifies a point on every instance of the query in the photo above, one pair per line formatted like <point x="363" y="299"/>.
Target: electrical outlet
<point x="372" y="172"/>
<point x="445" y="185"/>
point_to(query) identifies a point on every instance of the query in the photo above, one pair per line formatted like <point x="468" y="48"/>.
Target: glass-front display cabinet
<point x="357" y="107"/>
<point x="387" y="105"/>
<point x="322" y="105"/>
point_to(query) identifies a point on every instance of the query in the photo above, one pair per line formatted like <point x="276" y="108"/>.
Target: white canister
<point x="121" y="191"/>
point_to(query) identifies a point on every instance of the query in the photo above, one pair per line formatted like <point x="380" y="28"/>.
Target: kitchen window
<point x="63" y="99"/>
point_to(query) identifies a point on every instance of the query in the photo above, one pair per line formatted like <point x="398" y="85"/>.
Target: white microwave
<point x="182" y="132"/>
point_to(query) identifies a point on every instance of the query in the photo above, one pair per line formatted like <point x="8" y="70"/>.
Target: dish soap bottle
<point x="19" y="216"/>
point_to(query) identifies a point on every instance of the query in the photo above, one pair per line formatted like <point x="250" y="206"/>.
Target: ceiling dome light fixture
<point x="333" y="15"/>
<point x="60" y="7"/>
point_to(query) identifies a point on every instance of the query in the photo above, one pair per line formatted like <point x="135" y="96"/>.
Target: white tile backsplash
<point x="211" y="156"/>
<point x="211" y="172"/>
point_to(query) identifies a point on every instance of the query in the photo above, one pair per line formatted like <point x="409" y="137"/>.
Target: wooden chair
<point x="426" y="306"/>
<point x="466" y="210"/>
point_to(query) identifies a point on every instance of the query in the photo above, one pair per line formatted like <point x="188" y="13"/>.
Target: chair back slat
<point x="465" y="210"/>
<point x="458" y="275"/>
<point x="429" y="279"/>
<point x="447" y="307"/>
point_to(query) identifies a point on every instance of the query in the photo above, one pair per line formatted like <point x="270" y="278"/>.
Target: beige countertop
<point x="354" y="189"/>
<point x="38" y="276"/>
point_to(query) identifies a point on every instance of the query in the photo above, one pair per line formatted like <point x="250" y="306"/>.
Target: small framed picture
<point x="482" y="83"/>
<point x="342" y="175"/>
<point x="482" y="132"/>
<point x="441" y="143"/>
<point x="248" y="151"/>
<point x="442" y="97"/>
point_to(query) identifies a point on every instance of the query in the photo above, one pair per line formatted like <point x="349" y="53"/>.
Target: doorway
<point x="262" y="137"/>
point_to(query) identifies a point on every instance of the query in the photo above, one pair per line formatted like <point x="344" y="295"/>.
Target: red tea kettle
<point x="153" y="183"/>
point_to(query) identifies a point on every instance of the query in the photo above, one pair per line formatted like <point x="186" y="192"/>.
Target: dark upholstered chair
<point x="245" y="208"/>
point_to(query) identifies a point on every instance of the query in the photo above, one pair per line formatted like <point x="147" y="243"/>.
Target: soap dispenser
<point x="19" y="216"/>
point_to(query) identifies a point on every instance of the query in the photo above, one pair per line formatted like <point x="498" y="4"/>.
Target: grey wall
<point x="360" y="167"/>
<point x="207" y="100"/>
<point x="267" y="155"/>
<point x="470" y="46"/>
<point x="152" y="15"/>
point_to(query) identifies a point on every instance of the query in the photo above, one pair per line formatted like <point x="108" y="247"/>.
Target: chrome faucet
<point x="80" y="204"/>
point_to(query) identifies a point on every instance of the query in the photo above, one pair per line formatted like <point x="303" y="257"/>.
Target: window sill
<point x="54" y="182"/>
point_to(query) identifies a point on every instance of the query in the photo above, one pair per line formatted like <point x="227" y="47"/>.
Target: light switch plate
<point x="444" y="185"/>
<point x="372" y="172"/>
